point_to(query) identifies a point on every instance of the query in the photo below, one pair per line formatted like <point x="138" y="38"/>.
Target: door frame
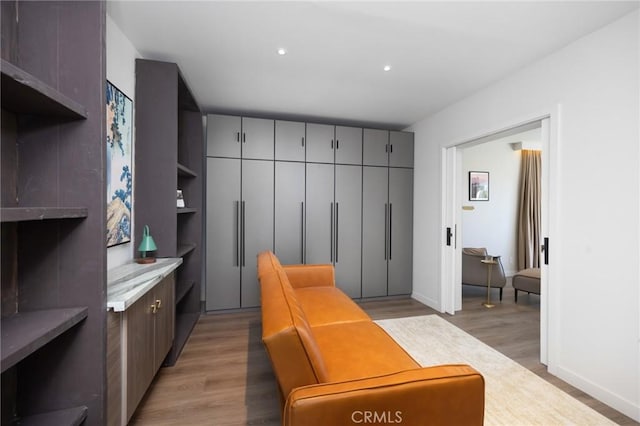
<point x="451" y="202"/>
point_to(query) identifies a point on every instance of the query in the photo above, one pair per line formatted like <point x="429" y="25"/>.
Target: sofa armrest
<point x="310" y="275"/>
<point x="440" y="395"/>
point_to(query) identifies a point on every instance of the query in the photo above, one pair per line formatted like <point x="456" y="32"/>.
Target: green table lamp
<point x="146" y="245"/>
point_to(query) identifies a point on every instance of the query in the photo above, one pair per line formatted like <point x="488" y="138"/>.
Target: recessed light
<point x="282" y="51"/>
<point x="387" y="68"/>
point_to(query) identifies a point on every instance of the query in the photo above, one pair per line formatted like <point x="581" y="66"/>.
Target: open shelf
<point x="184" y="324"/>
<point x="71" y="417"/>
<point x="184" y="171"/>
<point x="22" y="214"/>
<point x="184" y="249"/>
<point x="186" y="210"/>
<point x="25" y="332"/>
<point x="182" y="288"/>
<point x="23" y="93"/>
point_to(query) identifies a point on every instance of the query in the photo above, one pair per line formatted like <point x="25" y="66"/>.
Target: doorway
<point x="455" y="197"/>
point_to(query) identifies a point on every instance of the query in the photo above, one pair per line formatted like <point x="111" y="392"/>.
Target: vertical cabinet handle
<point x="391" y="148"/>
<point x="237" y="136"/>
<point x="243" y="234"/>
<point x="154" y="308"/>
<point x="302" y="233"/>
<point x="237" y="217"/>
<point x="386" y="222"/>
<point x="244" y="137"/>
<point x="331" y="236"/>
<point x="337" y="233"/>
<point x="386" y="148"/>
<point x="337" y="143"/>
<point x="158" y="303"/>
<point x="331" y="143"/>
<point x="390" y="228"/>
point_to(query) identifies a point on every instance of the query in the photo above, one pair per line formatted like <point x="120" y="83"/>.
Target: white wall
<point x="121" y="55"/>
<point x="492" y="224"/>
<point x="594" y="276"/>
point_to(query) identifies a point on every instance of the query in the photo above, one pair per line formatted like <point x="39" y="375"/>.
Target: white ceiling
<point x="440" y="52"/>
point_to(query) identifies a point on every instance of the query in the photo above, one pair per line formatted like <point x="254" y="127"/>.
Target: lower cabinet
<point x="138" y="340"/>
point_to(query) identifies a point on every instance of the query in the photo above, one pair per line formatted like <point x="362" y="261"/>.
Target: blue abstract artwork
<point x="119" y="183"/>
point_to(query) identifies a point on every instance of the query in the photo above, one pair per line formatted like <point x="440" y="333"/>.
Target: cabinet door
<point x="256" y="224"/>
<point x="223" y="233"/>
<point x="289" y="212"/>
<point x="319" y="214"/>
<point x="257" y="138"/>
<point x="348" y="221"/>
<point x="320" y="143"/>
<point x="290" y="141"/>
<point x="400" y="231"/>
<point x="400" y="149"/>
<point x="139" y="325"/>
<point x="375" y="147"/>
<point x="164" y="318"/>
<point x="223" y="136"/>
<point x="375" y="209"/>
<point x="348" y="145"/>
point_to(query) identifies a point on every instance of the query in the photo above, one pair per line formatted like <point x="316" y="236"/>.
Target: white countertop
<point x="128" y="283"/>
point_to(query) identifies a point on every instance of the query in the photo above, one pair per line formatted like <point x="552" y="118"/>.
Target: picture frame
<point x="119" y="110"/>
<point x="478" y="186"/>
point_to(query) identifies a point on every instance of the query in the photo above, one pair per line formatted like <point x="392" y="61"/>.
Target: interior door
<point x="289" y="212"/>
<point x="256" y="224"/>
<point x="400" y="234"/>
<point x="223" y="233"/>
<point x="348" y="229"/>
<point x="319" y="213"/>
<point x="375" y="210"/>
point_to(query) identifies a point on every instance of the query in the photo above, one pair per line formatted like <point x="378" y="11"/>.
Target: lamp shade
<point x="147" y="243"/>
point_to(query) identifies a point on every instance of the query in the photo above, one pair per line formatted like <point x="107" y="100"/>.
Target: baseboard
<point x="432" y="303"/>
<point x="626" y="407"/>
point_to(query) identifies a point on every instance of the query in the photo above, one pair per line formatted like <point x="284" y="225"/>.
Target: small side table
<point x="489" y="261"/>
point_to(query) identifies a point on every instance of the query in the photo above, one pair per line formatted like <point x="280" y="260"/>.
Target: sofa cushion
<point x="328" y="305"/>
<point x="355" y="350"/>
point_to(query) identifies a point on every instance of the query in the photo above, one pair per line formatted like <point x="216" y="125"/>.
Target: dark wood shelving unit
<point x="52" y="213"/>
<point x="184" y="171"/>
<point x="169" y="135"/>
<point x="187" y="210"/>
<point x="22" y="93"/>
<point x="23" y="333"/>
<point x="71" y="417"/>
<point x="23" y="214"/>
<point x="182" y="288"/>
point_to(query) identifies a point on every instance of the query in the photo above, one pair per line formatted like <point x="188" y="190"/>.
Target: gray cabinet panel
<point x="223" y="233"/>
<point x="319" y="213"/>
<point x="320" y="142"/>
<point x="401" y="149"/>
<point x="256" y="224"/>
<point x="289" y="212"/>
<point x="290" y="140"/>
<point x="348" y="220"/>
<point x="374" y="231"/>
<point x="375" y="147"/>
<point x="400" y="230"/>
<point x="223" y="136"/>
<point x="348" y="145"/>
<point x="257" y="138"/>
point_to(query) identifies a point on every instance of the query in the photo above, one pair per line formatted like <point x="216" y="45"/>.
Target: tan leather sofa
<point x="335" y="366"/>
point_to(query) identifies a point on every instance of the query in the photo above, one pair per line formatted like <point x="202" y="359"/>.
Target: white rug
<point x="513" y="394"/>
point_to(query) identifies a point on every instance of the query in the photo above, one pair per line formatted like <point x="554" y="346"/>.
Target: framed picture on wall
<point x="478" y="186"/>
<point x="119" y="146"/>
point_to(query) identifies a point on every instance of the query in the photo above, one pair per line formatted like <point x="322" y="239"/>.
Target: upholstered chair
<point x="474" y="272"/>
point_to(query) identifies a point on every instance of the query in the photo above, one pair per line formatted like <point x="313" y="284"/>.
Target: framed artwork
<point x="478" y="186"/>
<point x="119" y="179"/>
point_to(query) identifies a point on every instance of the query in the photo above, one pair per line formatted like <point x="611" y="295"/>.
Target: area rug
<point x="513" y="394"/>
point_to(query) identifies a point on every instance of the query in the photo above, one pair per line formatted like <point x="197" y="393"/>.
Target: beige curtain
<point x="529" y="210"/>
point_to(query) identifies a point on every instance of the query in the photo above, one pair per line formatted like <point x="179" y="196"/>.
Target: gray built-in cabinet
<point x="312" y="193"/>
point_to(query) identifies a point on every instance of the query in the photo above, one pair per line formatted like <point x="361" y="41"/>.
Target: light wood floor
<point x="223" y="376"/>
